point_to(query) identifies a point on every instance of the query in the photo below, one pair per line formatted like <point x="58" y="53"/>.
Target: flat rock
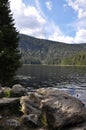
<point x="8" y="101"/>
<point x="9" y="106"/>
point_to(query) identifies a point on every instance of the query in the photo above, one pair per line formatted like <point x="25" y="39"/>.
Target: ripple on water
<point x="78" y="91"/>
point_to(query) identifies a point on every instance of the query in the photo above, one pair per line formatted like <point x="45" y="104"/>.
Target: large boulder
<point x="54" y="108"/>
<point x="18" y="90"/>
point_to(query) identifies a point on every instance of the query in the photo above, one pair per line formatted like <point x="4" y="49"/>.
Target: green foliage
<point x="77" y="59"/>
<point x="30" y="60"/>
<point x="20" y="108"/>
<point x="7" y="93"/>
<point x="9" y="53"/>
<point x="43" y="119"/>
<point x="39" y="51"/>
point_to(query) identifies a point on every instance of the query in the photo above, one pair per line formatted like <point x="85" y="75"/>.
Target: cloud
<point x="80" y="36"/>
<point x="79" y="6"/>
<point x="79" y="25"/>
<point x="28" y="19"/>
<point x="61" y="38"/>
<point x="57" y="35"/>
<point x="48" y="5"/>
<point x="38" y="7"/>
<point x="31" y="20"/>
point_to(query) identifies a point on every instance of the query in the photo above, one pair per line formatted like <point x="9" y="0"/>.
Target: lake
<point x="71" y="79"/>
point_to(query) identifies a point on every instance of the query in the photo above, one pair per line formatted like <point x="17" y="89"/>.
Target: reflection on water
<point x="67" y="78"/>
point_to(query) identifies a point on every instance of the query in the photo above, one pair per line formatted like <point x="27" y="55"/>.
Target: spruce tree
<point x="9" y="53"/>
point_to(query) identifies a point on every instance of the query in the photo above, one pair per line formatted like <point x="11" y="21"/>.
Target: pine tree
<point x="9" y="53"/>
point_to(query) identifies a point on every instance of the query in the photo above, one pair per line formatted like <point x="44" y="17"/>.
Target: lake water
<point x="68" y="78"/>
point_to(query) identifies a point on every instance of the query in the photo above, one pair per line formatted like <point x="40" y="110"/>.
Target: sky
<point x="57" y="20"/>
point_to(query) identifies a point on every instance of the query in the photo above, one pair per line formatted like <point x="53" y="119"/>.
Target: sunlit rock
<point x="60" y="109"/>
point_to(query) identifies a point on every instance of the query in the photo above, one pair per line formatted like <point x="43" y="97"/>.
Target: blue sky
<point x="58" y="20"/>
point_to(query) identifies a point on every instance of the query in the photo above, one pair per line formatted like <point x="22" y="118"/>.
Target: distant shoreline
<point x="54" y="65"/>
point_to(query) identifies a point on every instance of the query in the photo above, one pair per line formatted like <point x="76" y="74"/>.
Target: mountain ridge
<point x="41" y="51"/>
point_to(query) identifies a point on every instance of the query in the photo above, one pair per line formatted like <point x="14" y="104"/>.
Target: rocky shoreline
<point x="41" y="109"/>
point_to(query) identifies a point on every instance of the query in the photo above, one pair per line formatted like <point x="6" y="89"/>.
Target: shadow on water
<point x="71" y="79"/>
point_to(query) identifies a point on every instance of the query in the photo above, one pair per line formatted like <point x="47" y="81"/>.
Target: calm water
<point x="70" y="79"/>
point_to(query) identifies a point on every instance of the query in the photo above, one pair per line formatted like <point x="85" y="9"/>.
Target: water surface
<point x="71" y="79"/>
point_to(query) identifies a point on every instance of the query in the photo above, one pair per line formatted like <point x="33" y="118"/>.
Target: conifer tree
<point x="9" y="53"/>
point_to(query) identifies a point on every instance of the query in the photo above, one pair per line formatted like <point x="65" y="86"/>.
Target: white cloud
<point x="57" y="35"/>
<point x="32" y="21"/>
<point x="61" y="38"/>
<point x="28" y="19"/>
<point x="79" y="6"/>
<point x="17" y="7"/>
<point x="80" y="36"/>
<point x="48" y="5"/>
<point x="38" y="7"/>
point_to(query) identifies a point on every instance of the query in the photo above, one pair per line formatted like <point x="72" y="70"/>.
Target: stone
<point x="9" y="106"/>
<point x="55" y="107"/>
<point x="30" y="104"/>
<point x="1" y="93"/>
<point x="12" y="123"/>
<point x="80" y="126"/>
<point x="1" y="117"/>
<point x="30" y="120"/>
<point x="18" y="90"/>
<point x="8" y="101"/>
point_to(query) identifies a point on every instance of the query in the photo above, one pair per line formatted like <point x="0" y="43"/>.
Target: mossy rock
<point x="7" y="92"/>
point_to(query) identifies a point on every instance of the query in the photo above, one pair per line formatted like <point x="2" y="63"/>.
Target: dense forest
<point x="40" y="51"/>
<point x="77" y="59"/>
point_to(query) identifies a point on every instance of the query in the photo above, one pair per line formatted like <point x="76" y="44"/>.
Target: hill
<point x="40" y="51"/>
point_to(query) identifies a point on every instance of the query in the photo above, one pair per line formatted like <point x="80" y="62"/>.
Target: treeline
<point x="77" y="59"/>
<point x="30" y="60"/>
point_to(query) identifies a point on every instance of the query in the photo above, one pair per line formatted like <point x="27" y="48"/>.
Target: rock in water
<point x="54" y="107"/>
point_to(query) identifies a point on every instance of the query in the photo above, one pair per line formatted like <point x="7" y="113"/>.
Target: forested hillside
<point x="39" y="51"/>
<point x="77" y="59"/>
